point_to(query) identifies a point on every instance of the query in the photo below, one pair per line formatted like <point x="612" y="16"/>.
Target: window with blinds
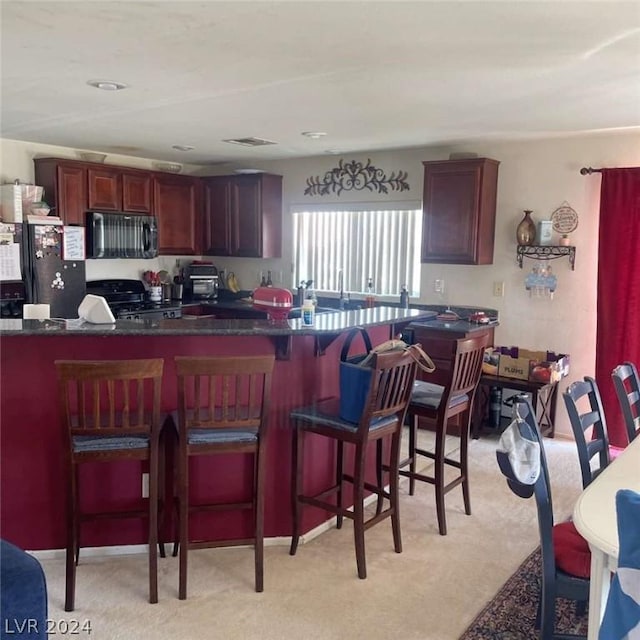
<point x="362" y="242"/>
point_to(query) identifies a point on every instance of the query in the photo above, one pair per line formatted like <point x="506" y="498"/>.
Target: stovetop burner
<point x="126" y="298"/>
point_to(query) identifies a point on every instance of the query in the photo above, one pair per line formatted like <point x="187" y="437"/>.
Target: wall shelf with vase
<point x="539" y="252"/>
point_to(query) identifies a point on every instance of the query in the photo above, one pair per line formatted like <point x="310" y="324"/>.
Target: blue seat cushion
<point x="220" y="436"/>
<point x="326" y="413"/>
<point x="84" y="444"/>
<point x="429" y="395"/>
<point x="23" y="594"/>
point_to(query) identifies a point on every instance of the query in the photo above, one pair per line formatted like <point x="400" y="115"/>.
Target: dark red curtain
<point x="618" y="333"/>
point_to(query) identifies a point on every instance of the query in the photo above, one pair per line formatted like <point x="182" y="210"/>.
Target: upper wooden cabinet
<point x="75" y="187"/>
<point x="115" y="189"/>
<point x="459" y="210"/>
<point x="177" y="205"/>
<point x="243" y="216"/>
<point x="65" y="188"/>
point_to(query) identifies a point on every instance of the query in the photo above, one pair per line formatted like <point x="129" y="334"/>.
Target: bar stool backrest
<point x="110" y="397"/>
<point x="393" y="374"/>
<point x="224" y="393"/>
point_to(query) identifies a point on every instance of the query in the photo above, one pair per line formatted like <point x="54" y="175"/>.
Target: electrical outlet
<point x="438" y="286"/>
<point x="145" y="485"/>
<point x="498" y="289"/>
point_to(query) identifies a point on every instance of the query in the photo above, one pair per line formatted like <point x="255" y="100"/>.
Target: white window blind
<point x="362" y="242"/>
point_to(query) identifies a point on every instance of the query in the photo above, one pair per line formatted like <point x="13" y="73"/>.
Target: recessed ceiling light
<point x="314" y="135"/>
<point x="107" y="85"/>
<point x="333" y="152"/>
<point x="182" y="147"/>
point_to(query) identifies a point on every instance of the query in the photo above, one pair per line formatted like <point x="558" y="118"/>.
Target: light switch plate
<point x="498" y="289"/>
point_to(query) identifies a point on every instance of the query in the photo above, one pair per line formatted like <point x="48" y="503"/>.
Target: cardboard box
<point x="536" y="366"/>
<point x="16" y="201"/>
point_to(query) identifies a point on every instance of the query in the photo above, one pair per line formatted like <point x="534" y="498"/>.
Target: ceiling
<point x="371" y="75"/>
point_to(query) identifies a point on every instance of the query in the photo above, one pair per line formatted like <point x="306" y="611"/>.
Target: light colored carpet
<point x="431" y="591"/>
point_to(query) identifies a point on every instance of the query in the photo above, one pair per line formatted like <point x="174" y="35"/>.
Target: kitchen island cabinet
<point x="243" y="216"/>
<point x="459" y="211"/>
<point x="32" y="440"/>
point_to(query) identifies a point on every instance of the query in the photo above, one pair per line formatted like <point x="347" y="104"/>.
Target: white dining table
<point x="595" y="519"/>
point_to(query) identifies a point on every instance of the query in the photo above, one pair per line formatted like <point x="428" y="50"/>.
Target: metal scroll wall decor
<point x="354" y="176"/>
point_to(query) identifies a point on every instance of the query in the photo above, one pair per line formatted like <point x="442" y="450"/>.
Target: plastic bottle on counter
<point x="269" y="280"/>
<point x="404" y="297"/>
<point x="370" y="298"/>
<point x="308" y="312"/>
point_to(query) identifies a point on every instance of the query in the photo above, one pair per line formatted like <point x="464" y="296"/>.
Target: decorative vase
<point x="565" y="241"/>
<point x="526" y="230"/>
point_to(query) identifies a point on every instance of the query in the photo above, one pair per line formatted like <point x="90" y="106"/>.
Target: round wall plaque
<point x="565" y="219"/>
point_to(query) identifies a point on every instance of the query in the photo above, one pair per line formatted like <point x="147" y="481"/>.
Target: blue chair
<point x="23" y="594"/>
<point x="566" y="559"/>
<point x="584" y="406"/>
<point x="627" y="384"/>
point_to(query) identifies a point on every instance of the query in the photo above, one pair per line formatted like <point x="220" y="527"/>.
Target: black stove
<point x="128" y="300"/>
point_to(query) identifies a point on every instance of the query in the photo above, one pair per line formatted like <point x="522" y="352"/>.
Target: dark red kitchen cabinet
<point x="243" y="216"/>
<point x="65" y="188"/>
<point x="137" y="192"/>
<point x="459" y="210"/>
<point x="105" y="189"/>
<point x="177" y="204"/>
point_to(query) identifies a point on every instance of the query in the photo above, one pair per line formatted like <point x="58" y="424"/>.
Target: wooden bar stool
<point x="223" y="404"/>
<point x="440" y="404"/>
<point x="392" y="379"/>
<point x="111" y="411"/>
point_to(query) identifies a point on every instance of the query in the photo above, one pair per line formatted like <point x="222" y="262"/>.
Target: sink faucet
<point x="341" y="289"/>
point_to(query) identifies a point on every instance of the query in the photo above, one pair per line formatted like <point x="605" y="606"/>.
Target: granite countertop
<point x="325" y="323"/>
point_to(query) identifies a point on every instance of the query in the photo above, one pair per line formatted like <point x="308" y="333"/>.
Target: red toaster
<point x="276" y="303"/>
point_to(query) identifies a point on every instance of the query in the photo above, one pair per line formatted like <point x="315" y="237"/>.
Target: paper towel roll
<point x="36" y="312"/>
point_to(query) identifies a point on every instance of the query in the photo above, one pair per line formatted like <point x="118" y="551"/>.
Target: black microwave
<point x="121" y="235"/>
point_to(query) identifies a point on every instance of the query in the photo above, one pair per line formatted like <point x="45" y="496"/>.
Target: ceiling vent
<point x="250" y="142"/>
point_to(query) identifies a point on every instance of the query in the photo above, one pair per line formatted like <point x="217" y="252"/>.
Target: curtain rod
<point x="587" y="171"/>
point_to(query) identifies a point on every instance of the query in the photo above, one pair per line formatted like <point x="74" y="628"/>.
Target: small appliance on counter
<point x="127" y="299"/>
<point x="201" y="281"/>
<point x="275" y="302"/>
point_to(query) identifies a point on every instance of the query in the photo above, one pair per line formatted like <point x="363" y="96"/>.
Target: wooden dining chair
<point x="393" y="373"/>
<point x="111" y="412"/>
<point x="627" y="385"/>
<point x="439" y="404"/>
<point x="584" y="406"/>
<point x="223" y="405"/>
<point x="565" y="555"/>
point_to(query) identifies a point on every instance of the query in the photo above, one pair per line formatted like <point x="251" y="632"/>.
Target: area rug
<point x="511" y="615"/>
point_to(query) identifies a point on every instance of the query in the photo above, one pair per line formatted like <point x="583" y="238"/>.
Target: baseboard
<point x="132" y="549"/>
<point x="276" y="541"/>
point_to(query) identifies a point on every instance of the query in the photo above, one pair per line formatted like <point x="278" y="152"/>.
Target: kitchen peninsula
<point x="33" y="441"/>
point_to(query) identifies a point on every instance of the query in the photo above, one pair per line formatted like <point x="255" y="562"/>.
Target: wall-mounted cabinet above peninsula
<point x="243" y="216"/>
<point x="459" y="211"/>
